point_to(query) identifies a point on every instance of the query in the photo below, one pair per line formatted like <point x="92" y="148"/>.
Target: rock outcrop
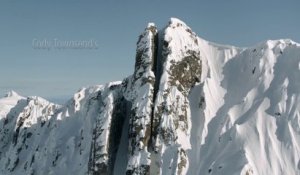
<point x="160" y="114"/>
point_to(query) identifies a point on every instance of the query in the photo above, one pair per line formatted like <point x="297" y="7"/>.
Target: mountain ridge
<point x="190" y="107"/>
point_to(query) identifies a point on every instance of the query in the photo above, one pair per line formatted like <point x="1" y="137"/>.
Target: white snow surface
<point x="8" y="102"/>
<point x="250" y="121"/>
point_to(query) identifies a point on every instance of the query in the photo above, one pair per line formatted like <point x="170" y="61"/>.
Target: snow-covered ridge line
<point x="190" y="107"/>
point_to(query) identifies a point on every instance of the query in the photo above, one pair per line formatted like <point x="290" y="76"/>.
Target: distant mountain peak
<point x="12" y="93"/>
<point x="150" y="24"/>
<point x="176" y="21"/>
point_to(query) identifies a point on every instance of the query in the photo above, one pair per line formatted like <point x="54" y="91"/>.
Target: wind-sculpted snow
<point x="190" y="107"/>
<point x="251" y="115"/>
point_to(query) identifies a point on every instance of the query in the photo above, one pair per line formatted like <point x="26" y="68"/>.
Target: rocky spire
<point x="167" y="67"/>
<point x="140" y="91"/>
<point x="171" y="120"/>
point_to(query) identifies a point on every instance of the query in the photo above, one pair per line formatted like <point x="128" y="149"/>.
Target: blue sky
<point x="56" y="74"/>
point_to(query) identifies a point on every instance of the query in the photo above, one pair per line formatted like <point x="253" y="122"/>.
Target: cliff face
<point x="140" y="92"/>
<point x="190" y="107"/>
<point x="180" y="66"/>
<point x="160" y="115"/>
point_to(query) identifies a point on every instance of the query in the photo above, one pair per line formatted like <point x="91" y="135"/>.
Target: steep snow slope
<point x="191" y="107"/>
<point x="251" y="114"/>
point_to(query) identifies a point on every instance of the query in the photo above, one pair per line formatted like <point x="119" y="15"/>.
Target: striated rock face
<point x="190" y="107"/>
<point x="140" y="91"/>
<point x="107" y="129"/>
<point x="158" y="89"/>
<point x="181" y="69"/>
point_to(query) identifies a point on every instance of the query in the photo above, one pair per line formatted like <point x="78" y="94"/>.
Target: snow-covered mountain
<point x="191" y="107"/>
